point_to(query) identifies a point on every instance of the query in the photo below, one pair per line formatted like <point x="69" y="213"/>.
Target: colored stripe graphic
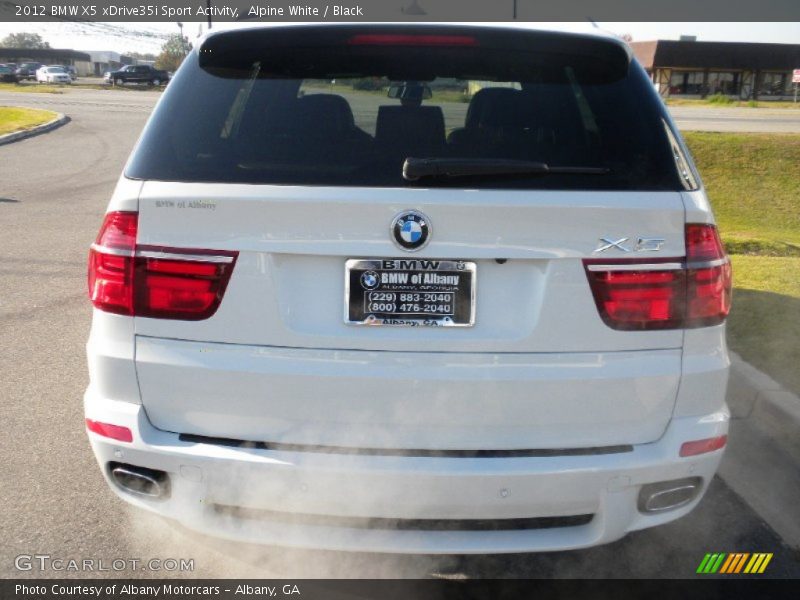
<point x="765" y="563"/>
<point x="734" y="563"/>
<point x="755" y="562"/>
<point x="704" y="563"/>
<point x="740" y="562"/>
<point x="711" y="563"/>
<point x="727" y="564"/>
<point x="717" y="563"/>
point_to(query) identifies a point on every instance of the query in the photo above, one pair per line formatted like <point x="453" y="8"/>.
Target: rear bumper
<point x="275" y="485"/>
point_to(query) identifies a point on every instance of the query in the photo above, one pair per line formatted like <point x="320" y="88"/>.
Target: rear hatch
<point x="292" y="157"/>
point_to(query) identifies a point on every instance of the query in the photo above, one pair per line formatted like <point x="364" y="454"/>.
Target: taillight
<point x="180" y="284"/>
<point x="709" y="277"/>
<point x="150" y="281"/>
<point x="393" y="39"/>
<point x="672" y="293"/>
<point x="111" y="263"/>
<point x="630" y="296"/>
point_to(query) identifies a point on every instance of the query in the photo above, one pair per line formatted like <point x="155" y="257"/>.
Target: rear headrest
<point x="316" y="115"/>
<point x="327" y="110"/>
<point x="494" y="107"/>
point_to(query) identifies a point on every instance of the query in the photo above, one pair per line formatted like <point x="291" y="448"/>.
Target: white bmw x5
<point x="428" y="289"/>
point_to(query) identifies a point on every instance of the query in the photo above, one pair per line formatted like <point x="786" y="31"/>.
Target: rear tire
<point x="156" y="82"/>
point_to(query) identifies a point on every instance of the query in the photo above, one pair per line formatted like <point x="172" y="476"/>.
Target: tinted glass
<point x="351" y="114"/>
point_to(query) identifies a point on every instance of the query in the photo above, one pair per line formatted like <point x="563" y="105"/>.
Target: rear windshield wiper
<point x="417" y="168"/>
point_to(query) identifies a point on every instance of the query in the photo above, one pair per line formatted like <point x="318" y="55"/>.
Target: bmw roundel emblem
<point x="411" y="230"/>
<point x="369" y="280"/>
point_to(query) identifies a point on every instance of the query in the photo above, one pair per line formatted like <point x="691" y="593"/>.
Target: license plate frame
<point x="438" y="292"/>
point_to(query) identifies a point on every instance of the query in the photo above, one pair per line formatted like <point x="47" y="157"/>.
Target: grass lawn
<point x="16" y="119"/>
<point x="753" y="181"/>
<point x="93" y="83"/>
<point x="30" y="88"/>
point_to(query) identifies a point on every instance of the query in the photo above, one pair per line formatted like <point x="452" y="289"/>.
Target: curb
<point x="755" y="396"/>
<point x="60" y="120"/>
<point x="762" y="461"/>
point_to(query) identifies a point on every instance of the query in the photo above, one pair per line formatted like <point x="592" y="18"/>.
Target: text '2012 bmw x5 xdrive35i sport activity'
<point x="409" y="289"/>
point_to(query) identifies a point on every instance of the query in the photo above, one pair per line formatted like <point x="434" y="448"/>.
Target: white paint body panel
<point x="407" y="400"/>
<point x="288" y="285"/>
<point x="278" y="363"/>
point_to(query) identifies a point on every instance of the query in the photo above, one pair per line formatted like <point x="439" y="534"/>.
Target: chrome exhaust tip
<point x="668" y="495"/>
<point x="140" y="481"/>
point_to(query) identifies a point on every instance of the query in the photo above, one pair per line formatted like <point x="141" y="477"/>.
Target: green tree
<point x="24" y="40"/>
<point x="173" y="52"/>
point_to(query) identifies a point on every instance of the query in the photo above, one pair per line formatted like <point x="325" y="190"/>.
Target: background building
<point x="46" y="56"/>
<point x="101" y="61"/>
<point x="689" y="68"/>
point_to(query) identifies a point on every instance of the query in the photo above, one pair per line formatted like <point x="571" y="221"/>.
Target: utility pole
<point x="208" y="6"/>
<point x="515" y="10"/>
<point x="183" y="40"/>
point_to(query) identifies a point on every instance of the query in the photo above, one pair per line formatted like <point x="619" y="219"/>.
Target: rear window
<point x="349" y="107"/>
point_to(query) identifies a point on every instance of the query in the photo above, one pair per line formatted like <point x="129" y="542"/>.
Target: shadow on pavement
<point x="764" y="328"/>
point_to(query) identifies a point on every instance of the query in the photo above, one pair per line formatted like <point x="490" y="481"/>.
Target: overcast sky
<point x="148" y="37"/>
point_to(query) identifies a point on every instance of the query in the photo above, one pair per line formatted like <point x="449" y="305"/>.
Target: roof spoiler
<point x="241" y="48"/>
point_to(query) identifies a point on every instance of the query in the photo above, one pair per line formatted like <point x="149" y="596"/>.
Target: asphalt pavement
<point x="53" y="193"/>
<point x="741" y="120"/>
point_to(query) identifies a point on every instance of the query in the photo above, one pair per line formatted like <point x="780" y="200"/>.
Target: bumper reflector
<point x="702" y="446"/>
<point x="115" y="432"/>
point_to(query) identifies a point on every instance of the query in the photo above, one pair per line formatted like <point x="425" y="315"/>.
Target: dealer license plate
<point x="410" y="292"/>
